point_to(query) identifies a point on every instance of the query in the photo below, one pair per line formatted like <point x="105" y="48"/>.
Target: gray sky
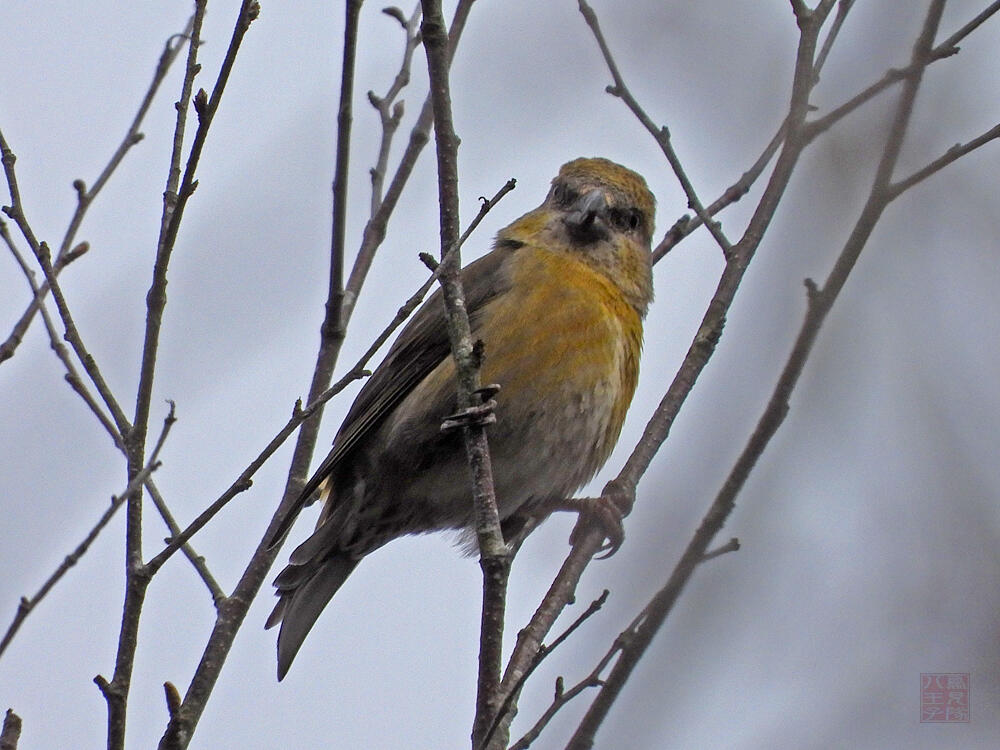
<point x="869" y="528"/>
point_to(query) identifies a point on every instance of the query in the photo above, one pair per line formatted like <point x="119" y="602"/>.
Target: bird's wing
<point x="421" y="346"/>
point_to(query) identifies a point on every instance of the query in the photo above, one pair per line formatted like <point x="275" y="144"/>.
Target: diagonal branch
<point x="587" y="542"/>
<point x="952" y="155"/>
<point x="16" y="212"/>
<point x="378" y="224"/>
<point x="67" y="253"/>
<point x="820" y="301"/>
<point x="660" y="134"/>
<point x="685" y="225"/>
<point x="27" y="605"/>
<point x="77" y="384"/>
<point x="947" y="48"/>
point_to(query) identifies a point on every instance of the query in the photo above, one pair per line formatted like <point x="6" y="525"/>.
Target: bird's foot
<point x="478" y="414"/>
<point x="604" y="513"/>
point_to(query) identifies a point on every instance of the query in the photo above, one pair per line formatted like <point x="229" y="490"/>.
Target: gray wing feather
<point x="420" y="348"/>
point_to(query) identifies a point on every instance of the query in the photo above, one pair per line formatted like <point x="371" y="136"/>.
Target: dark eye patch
<point x="562" y="195"/>
<point x="625" y="220"/>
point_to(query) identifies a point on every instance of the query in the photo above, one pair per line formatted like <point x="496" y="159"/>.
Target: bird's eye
<point x="625" y="221"/>
<point x="562" y="195"/>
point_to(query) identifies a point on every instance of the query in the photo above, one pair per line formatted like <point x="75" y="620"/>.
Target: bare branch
<point x="243" y="482"/>
<point x="232" y="613"/>
<point x="67" y="252"/>
<point x="544" y="651"/>
<point x="73" y="378"/>
<point x="660" y="134"/>
<point x="137" y="578"/>
<point x="389" y="110"/>
<point x="27" y="605"/>
<point x="587" y="542"/>
<point x="820" y="302"/>
<point x="132" y="136"/>
<point x="376" y="227"/>
<point x="685" y="225"/>
<point x="947" y="48"/>
<point x="953" y="154"/>
<point x="494" y="557"/>
<point x="334" y="325"/>
<point x="843" y="8"/>
<point x="11" y="732"/>
<point x="196" y="560"/>
<point x="175" y="203"/>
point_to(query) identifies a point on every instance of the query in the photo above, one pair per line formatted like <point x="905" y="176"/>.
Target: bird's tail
<point x="304" y="591"/>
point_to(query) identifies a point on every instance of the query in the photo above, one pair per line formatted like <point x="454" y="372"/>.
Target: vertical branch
<point x="137" y="575"/>
<point x="334" y="325"/>
<point x="137" y="579"/>
<point x="494" y="557"/>
<point x="232" y="612"/>
<point x="175" y="202"/>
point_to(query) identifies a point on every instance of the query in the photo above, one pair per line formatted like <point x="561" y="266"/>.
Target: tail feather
<point x="300" y="605"/>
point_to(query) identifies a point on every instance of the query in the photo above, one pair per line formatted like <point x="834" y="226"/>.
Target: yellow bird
<point x="558" y="304"/>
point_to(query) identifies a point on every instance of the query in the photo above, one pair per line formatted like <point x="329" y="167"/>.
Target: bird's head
<point x="599" y="213"/>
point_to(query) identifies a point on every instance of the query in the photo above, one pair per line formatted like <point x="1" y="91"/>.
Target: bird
<point x="558" y="306"/>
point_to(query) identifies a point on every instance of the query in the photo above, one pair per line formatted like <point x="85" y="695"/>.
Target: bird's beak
<point x="585" y="219"/>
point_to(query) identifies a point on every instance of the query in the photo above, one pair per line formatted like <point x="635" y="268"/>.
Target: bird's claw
<point x="479" y="414"/>
<point x="606" y="514"/>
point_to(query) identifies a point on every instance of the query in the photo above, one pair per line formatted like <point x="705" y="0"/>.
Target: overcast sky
<point x="870" y="527"/>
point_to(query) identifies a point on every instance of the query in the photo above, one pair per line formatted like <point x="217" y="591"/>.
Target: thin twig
<point x="72" y="376"/>
<point x="334" y="325"/>
<point x="733" y="545"/>
<point x="843" y="8"/>
<point x="390" y="111"/>
<point x="944" y="49"/>
<point x="544" y="651"/>
<point x="377" y="226"/>
<point x="660" y="134"/>
<point x="562" y="696"/>
<point x="75" y="382"/>
<point x="85" y="197"/>
<point x="952" y="155"/>
<point x="27" y="605"/>
<point x="41" y="251"/>
<point x="685" y="225"/>
<point x="72" y="335"/>
<point x="116" y="691"/>
<point x="196" y="560"/>
<point x="175" y="203"/>
<point x="244" y="481"/>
